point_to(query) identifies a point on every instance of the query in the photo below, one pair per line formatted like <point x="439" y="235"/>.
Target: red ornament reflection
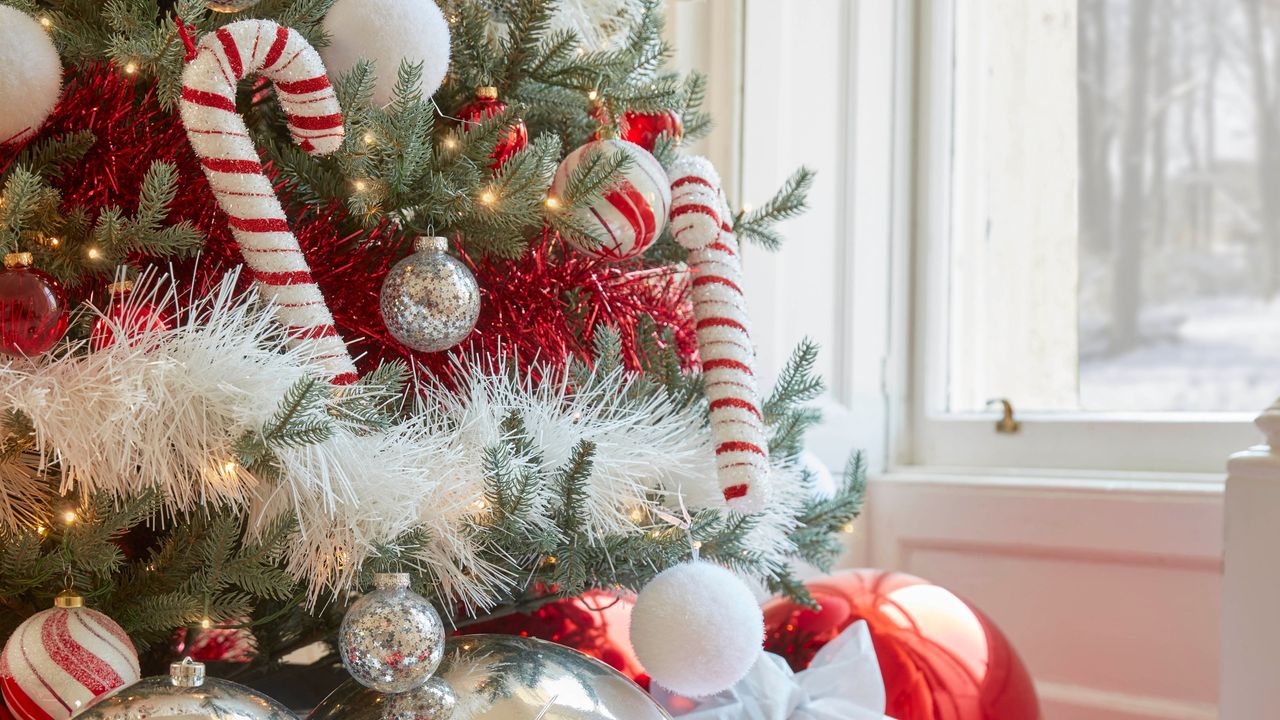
<point x="33" y="308"/>
<point x="644" y="129"/>
<point x="129" y="316"/>
<point x="485" y="106"/>
<point x="941" y="658"/>
<point x="596" y="623"/>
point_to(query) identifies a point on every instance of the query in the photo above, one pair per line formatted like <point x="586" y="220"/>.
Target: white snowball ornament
<point x="388" y="32"/>
<point x="631" y="213"/>
<point x="30" y="75"/>
<point x="697" y="629"/>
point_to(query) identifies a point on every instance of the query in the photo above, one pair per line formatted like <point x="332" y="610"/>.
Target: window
<point x="1097" y="241"/>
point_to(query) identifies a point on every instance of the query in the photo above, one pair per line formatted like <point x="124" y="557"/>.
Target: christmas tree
<point x="188" y="443"/>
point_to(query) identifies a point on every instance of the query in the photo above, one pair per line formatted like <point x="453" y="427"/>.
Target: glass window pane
<point x="1179" y="218"/>
<point x="1115" y="205"/>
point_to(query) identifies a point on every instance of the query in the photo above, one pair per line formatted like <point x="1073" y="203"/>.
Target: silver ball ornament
<point x="430" y="301"/>
<point x="352" y="701"/>
<point x="502" y="677"/>
<point x="185" y="694"/>
<point x="391" y="639"/>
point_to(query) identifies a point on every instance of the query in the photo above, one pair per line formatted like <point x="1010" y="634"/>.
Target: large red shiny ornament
<point x="941" y="658"/>
<point x="644" y="129"/>
<point x="128" y="316"/>
<point x="33" y="308"/>
<point x="485" y="106"/>
<point x="596" y="623"/>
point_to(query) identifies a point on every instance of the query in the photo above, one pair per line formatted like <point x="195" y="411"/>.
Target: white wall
<point x="1109" y="586"/>
<point x="1110" y="591"/>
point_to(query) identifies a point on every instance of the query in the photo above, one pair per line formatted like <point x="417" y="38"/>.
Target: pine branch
<point x="789" y="202"/>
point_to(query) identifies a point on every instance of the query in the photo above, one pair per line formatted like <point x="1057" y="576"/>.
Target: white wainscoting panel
<point x="1109" y="589"/>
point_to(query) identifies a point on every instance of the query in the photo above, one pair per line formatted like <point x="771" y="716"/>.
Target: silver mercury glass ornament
<point x="391" y="639"/>
<point x="430" y="300"/>
<point x="502" y="677"/>
<point x="185" y="694"/>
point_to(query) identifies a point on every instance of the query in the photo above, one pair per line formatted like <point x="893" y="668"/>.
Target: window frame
<point x="933" y="436"/>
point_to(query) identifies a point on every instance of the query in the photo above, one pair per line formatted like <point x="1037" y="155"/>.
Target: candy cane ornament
<point x="699" y="219"/>
<point x="221" y="141"/>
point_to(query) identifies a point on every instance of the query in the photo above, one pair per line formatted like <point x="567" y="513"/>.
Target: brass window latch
<point x="1006" y="424"/>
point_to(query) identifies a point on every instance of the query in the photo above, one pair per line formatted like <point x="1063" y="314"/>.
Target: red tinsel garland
<point x="543" y="308"/>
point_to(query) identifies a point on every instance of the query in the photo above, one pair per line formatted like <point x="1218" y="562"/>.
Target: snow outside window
<point x="1099" y="229"/>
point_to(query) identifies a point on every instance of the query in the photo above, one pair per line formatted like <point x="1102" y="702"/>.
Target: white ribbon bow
<point x="842" y="683"/>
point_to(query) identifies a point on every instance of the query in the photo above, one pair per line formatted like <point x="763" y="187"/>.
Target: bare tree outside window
<point x="1179" y="114"/>
<point x="1114" y="205"/>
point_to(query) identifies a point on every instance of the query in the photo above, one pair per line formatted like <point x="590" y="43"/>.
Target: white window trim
<point x="1159" y="442"/>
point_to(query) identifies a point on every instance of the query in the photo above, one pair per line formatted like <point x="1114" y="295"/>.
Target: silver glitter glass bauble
<point x="433" y="701"/>
<point x="502" y="677"/>
<point x="391" y="639"/>
<point x="430" y="301"/>
<point x="230" y="6"/>
<point x="185" y="694"/>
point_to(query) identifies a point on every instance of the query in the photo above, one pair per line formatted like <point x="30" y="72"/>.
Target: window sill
<point x="1117" y="481"/>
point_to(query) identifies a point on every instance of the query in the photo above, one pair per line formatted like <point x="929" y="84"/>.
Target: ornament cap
<point x="486" y="92"/>
<point x="123" y="286"/>
<point x="187" y="673"/>
<point x="15" y="259"/>
<point x="391" y="581"/>
<point x="608" y="132"/>
<point x="68" y="600"/>
<point x="427" y="243"/>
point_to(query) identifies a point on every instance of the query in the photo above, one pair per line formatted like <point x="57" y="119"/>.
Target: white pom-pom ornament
<point x="31" y="80"/>
<point x="697" y="629"/>
<point x="631" y="213"/>
<point x="388" y="32"/>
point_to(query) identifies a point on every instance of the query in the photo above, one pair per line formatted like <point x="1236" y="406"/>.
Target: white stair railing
<point x="1250" y="685"/>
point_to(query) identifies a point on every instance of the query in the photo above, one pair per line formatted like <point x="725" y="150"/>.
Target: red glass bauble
<point x="126" y="316"/>
<point x="596" y="623"/>
<point x="941" y="658"/>
<point x="33" y="308"/>
<point x="644" y="129"/>
<point x="485" y="106"/>
<point x="229" y="645"/>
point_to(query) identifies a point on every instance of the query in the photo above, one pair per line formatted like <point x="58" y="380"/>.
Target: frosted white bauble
<point x="388" y="32"/>
<point x="30" y="75"/>
<point x="697" y="629"/>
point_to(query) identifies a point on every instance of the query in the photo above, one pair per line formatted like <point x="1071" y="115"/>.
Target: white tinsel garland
<point x="165" y="410"/>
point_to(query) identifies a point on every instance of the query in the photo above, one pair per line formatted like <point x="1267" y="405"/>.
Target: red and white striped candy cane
<point x="695" y="202"/>
<point x="221" y="140"/>
<point x="724" y="334"/>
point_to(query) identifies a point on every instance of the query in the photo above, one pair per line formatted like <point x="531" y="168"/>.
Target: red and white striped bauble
<point x="221" y="140"/>
<point x="631" y="214"/>
<point x="60" y="659"/>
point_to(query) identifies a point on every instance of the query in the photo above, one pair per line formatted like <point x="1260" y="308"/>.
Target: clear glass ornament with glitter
<point x="392" y="639"/>
<point x="430" y="300"/>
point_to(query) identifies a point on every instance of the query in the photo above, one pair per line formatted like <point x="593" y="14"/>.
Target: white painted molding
<point x="1060" y="698"/>
<point x="1107" y="583"/>
<point x="1251" y="579"/>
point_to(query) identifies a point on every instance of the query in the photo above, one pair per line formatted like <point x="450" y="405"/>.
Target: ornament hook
<point x="187" y="33"/>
